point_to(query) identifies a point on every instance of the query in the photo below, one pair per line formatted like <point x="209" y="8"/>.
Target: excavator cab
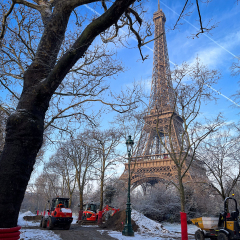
<point x="229" y="221"/>
<point x="60" y="215"/>
<point x="64" y="202"/>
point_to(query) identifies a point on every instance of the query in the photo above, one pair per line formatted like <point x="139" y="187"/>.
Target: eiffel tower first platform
<point x="150" y="163"/>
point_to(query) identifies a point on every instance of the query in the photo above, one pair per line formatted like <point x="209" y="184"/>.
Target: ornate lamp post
<point x="128" y="231"/>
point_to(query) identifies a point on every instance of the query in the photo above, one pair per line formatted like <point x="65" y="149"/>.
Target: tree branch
<point x="5" y="20"/>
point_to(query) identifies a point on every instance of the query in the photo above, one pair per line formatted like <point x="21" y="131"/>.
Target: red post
<point x="99" y="217"/>
<point x="44" y="213"/>
<point x="37" y="212"/>
<point x="184" y="226"/>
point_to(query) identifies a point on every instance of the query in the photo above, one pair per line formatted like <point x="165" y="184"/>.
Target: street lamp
<point x="128" y="231"/>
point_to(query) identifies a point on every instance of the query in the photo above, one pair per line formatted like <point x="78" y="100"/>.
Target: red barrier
<point x="44" y="213"/>
<point x="37" y="212"/>
<point x="10" y="233"/>
<point x="100" y="217"/>
<point x="184" y="226"/>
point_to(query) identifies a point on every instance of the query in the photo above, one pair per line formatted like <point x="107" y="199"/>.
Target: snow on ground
<point x="174" y="232"/>
<point x="137" y="236"/>
<point x="23" y="223"/>
<point x="75" y="218"/>
<point x="149" y="229"/>
<point x="34" y="234"/>
<point x="37" y="234"/>
<point x="176" y="227"/>
<point x="147" y="225"/>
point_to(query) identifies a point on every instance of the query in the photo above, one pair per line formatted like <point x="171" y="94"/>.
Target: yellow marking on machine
<point x="230" y="225"/>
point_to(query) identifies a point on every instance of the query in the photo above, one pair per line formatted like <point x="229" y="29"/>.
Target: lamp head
<point x="129" y="143"/>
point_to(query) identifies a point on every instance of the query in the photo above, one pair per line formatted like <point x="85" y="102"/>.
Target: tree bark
<point x="181" y="191"/>
<point x="23" y="140"/>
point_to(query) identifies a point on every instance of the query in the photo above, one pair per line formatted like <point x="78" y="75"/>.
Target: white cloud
<point x="218" y="53"/>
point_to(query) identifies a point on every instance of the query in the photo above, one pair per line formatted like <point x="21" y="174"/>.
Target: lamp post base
<point x="128" y="231"/>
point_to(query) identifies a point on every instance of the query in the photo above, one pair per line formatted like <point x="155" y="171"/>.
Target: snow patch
<point x="23" y="223"/>
<point x="147" y="225"/>
<point x="137" y="236"/>
<point x="176" y="227"/>
<point x="28" y="213"/>
<point x="37" y="234"/>
<point x="66" y="210"/>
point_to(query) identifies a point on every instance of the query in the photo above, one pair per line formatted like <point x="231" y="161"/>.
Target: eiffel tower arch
<point x="150" y="162"/>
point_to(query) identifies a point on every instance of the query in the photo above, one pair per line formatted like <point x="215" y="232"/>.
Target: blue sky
<point x="216" y="49"/>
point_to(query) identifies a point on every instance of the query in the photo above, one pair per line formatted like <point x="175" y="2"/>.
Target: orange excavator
<point x="60" y="215"/>
<point x="90" y="212"/>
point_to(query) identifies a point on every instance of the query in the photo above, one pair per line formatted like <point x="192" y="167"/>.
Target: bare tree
<point x="105" y="143"/>
<point x="181" y="138"/>
<point x="220" y="153"/>
<point x="62" y="167"/>
<point x="82" y="158"/>
<point x="41" y="73"/>
<point x="46" y="187"/>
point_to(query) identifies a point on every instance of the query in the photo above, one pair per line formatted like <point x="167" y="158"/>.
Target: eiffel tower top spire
<point x="161" y="91"/>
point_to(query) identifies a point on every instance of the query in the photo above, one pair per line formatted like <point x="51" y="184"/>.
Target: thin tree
<point x="220" y="153"/>
<point x="181" y="139"/>
<point x="82" y="159"/>
<point x="105" y="144"/>
<point x="64" y="168"/>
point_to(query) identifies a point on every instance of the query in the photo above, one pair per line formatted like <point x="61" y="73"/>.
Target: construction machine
<point x="90" y="212"/>
<point x="224" y="227"/>
<point x="59" y="215"/>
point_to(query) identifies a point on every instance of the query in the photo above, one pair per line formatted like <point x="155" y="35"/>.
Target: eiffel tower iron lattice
<point x="150" y="162"/>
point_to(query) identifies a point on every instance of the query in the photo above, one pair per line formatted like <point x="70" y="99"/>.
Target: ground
<point x="148" y="229"/>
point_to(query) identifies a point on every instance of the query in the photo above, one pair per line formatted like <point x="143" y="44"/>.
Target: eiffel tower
<point x="150" y="162"/>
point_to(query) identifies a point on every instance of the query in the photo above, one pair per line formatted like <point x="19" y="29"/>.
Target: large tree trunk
<point x="23" y="141"/>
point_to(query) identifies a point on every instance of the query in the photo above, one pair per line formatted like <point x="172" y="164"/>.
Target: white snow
<point x="137" y="236"/>
<point x="66" y="210"/>
<point x="75" y="218"/>
<point x="38" y="234"/>
<point x="23" y="223"/>
<point x="149" y="229"/>
<point x="176" y="227"/>
<point x="147" y="225"/>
